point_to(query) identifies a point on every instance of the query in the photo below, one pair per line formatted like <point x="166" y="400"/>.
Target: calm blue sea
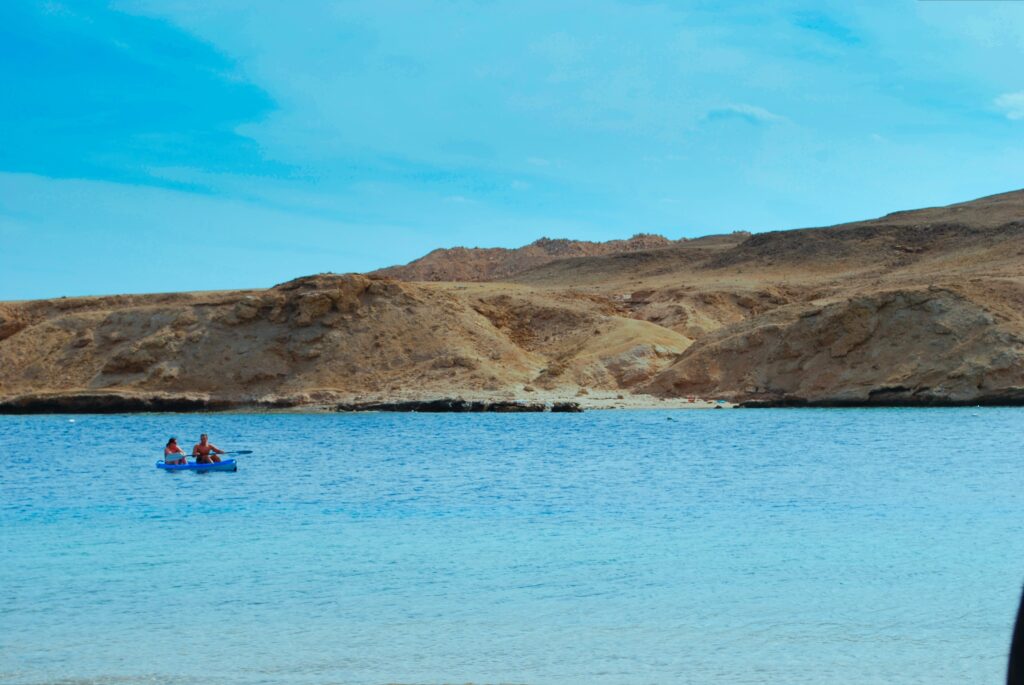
<point x="619" y="547"/>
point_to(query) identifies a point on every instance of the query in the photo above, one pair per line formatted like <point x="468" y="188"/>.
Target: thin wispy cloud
<point x="1012" y="105"/>
<point x="749" y="113"/>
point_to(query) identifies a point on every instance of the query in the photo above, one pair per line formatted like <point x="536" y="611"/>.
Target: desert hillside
<point x="494" y="263"/>
<point x="917" y="307"/>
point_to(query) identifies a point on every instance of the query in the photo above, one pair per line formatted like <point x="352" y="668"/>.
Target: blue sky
<point x="184" y="145"/>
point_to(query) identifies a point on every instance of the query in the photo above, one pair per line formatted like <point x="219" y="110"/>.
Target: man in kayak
<point x="205" y="452"/>
<point x="173" y="454"/>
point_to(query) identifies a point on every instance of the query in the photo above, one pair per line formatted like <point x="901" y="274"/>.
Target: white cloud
<point x="1012" y="104"/>
<point x="751" y="113"/>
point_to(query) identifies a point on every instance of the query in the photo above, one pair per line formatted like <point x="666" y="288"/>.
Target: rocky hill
<point x="920" y="307"/>
<point x="494" y="263"/>
<point x="316" y="340"/>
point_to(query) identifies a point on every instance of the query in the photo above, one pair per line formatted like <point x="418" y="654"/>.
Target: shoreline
<point x="534" y="401"/>
<point x="495" y="402"/>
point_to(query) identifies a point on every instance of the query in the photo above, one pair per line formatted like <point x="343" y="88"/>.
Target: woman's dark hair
<point x="170" y="441"/>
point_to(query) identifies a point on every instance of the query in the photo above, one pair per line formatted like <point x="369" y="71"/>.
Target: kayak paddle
<point x="235" y="452"/>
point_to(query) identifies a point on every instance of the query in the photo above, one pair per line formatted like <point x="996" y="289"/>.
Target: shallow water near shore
<point x="737" y="546"/>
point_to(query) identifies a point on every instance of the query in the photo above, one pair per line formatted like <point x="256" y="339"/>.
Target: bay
<point x="732" y="546"/>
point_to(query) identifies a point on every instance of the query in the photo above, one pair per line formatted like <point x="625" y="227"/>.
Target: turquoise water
<point x="736" y="546"/>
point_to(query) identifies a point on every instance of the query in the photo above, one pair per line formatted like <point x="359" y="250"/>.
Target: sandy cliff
<point x="317" y="340"/>
<point x="918" y="307"/>
<point x="930" y="345"/>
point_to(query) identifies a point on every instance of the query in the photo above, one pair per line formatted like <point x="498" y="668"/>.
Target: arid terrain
<point x="917" y="307"/>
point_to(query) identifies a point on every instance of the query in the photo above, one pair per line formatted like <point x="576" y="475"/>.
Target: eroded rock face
<point x="344" y="335"/>
<point x="11" y="321"/>
<point x="909" y="346"/>
<point x="326" y="335"/>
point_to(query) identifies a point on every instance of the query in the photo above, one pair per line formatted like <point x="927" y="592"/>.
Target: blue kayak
<point x="226" y="465"/>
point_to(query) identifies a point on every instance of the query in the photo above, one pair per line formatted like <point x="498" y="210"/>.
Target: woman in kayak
<point x="173" y="454"/>
<point x="205" y="452"/>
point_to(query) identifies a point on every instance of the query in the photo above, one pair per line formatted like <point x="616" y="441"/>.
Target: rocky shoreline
<point x="1001" y="400"/>
<point x="111" y="403"/>
<point x="117" y="403"/>
<point x="460" y="406"/>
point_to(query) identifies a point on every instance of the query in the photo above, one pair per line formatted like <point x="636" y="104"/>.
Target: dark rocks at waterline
<point x="115" y="403"/>
<point x="426" y="406"/>
<point x="459" y="406"/>
<point x="125" y="403"/>
<point x="891" y="397"/>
